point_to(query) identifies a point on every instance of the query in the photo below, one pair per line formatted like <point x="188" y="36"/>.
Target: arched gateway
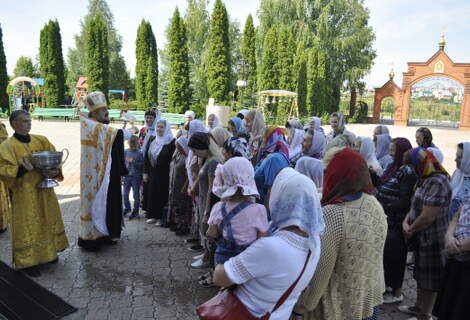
<point x="439" y="65"/>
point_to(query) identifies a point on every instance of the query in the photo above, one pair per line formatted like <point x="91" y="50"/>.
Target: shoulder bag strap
<point x="288" y="292"/>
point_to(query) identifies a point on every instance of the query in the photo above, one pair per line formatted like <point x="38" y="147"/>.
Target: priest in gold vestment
<point x="37" y="229"/>
<point x="4" y="201"/>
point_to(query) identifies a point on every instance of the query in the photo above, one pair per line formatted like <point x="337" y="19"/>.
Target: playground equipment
<point x="24" y="93"/>
<point x="275" y="96"/>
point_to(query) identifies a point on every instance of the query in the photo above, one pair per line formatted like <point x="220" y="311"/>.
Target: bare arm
<point x="212" y="231"/>
<point x="451" y="243"/>
<point x="425" y="219"/>
<point x="220" y="277"/>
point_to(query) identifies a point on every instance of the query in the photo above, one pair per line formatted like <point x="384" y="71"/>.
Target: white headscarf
<point x="157" y="144"/>
<point x="317" y="149"/>
<point x="196" y="126"/>
<point x="215" y="123"/>
<point x="464" y="171"/>
<point x="190" y="114"/>
<point x="235" y="174"/>
<point x="383" y="145"/>
<point x="437" y="154"/>
<point x="295" y="145"/>
<point x="183" y="142"/>
<point x="294" y="202"/>
<point x="312" y="168"/>
<point x="368" y="152"/>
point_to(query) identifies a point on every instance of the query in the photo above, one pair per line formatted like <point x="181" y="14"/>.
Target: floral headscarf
<point x="276" y="141"/>
<point x="237" y="146"/>
<point x="425" y="163"/>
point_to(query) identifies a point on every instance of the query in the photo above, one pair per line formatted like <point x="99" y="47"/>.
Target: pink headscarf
<point x="237" y="173"/>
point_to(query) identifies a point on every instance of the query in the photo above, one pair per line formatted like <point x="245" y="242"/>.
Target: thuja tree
<point x="179" y="94"/>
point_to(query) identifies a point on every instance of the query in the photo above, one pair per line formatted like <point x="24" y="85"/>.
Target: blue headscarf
<point x="238" y="123"/>
<point x="294" y="202"/>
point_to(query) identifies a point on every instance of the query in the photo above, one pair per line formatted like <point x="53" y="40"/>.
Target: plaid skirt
<point x="429" y="264"/>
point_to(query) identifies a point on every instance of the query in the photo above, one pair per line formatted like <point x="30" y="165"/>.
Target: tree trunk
<point x="352" y="102"/>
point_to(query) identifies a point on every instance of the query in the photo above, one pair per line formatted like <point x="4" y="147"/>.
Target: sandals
<point x="207" y="283"/>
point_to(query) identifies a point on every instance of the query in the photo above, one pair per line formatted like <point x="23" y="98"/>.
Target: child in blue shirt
<point x="134" y="163"/>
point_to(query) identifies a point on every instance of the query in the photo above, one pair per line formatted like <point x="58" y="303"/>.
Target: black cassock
<point x="114" y="200"/>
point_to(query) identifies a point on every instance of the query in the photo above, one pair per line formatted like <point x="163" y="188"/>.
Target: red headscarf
<point x="346" y="174"/>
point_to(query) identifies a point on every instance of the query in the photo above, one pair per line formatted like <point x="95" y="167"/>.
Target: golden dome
<point x="391" y="75"/>
<point x="442" y="42"/>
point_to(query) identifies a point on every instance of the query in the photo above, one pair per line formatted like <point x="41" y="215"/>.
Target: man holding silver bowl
<point x="37" y="231"/>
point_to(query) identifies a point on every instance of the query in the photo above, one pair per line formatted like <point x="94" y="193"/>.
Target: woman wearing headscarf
<point x="220" y="135"/>
<point x="179" y="204"/>
<point x="366" y="148"/>
<point x="314" y="123"/>
<point x="381" y="130"/>
<point x="437" y="154"/>
<point x="206" y="149"/>
<point x="394" y="194"/>
<point x="425" y="226"/>
<point x="424" y="138"/>
<point x="295" y="139"/>
<point x="339" y="132"/>
<point x="452" y="300"/>
<point x="271" y="265"/>
<point x="313" y="146"/>
<point x="382" y="150"/>
<point x="275" y="157"/>
<point x="312" y="168"/>
<point x="213" y="121"/>
<point x="157" y="158"/>
<point x="460" y="182"/>
<point x="254" y="124"/>
<point x="235" y="126"/>
<point x="349" y="280"/>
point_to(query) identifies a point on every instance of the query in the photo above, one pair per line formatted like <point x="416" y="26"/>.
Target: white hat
<point x="95" y="100"/>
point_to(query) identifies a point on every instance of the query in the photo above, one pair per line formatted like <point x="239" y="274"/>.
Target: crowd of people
<point x="298" y="223"/>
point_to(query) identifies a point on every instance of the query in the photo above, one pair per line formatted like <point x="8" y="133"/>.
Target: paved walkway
<point x="147" y="275"/>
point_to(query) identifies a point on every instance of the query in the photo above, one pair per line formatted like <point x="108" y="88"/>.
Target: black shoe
<point x="3" y="230"/>
<point x="191" y="240"/>
<point x="133" y="215"/>
<point x="89" y="245"/>
<point x="108" y="241"/>
<point x="33" y="272"/>
<point x="196" y="248"/>
<point x="126" y="212"/>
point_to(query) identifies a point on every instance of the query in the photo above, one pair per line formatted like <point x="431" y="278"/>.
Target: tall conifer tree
<point x="219" y="64"/>
<point x="286" y="49"/>
<point x="179" y="94"/>
<point x="269" y="70"/>
<point x="146" y="69"/>
<point x="248" y="53"/>
<point x="52" y="64"/>
<point x="97" y="55"/>
<point x="3" y="76"/>
<point x="300" y="73"/>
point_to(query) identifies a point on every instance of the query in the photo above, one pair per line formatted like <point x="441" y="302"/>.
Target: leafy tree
<point x="25" y="68"/>
<point x="76" y="57"/>
<point x="197" y="30"/>
<point x="3" y="76"/>
<point x="179" y="94"/>
<point x="146" y="69"/>
<point x="300" y="74"/>
<point x="248" y="53"/>
<point x="52" y="64"/>
<point x="218" y="63"/>
<point x="286" y="49"/>
<point x="97" y="55"/>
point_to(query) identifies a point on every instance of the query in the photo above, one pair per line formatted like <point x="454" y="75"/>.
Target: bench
<point x="66" y="113"/>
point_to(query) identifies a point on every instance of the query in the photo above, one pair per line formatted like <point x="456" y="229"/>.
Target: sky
<point x="405" y="30"/>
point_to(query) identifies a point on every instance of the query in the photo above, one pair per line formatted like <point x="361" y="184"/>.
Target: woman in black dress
<point x="157" y="160"/>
